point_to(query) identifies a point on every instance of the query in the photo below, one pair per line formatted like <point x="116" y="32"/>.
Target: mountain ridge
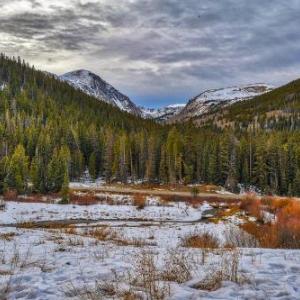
<point x="162" y="114"/>
<point x="205" y="102"/>
<point x="211" y="99"/>
<point x="93" y="85"/>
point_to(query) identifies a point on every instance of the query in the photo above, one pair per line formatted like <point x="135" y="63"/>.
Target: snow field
<point x="61" y="264"/>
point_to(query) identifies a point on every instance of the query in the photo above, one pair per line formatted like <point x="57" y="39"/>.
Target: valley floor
<point x="124" y="248"/>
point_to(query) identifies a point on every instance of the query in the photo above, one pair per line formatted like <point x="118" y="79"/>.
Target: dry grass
<point x="200" y="240"/>
<point x="104" y="233"/>
<point x="34" y="198"/>
<point x="227" y="270"/>
<point x="129" y="295"/>
<point x="83" y="199"/>
<point x="135" y="242"/>
<point x="176" y="268"/>
<point x="147" y="277"/>
<point x="26" y="225"/>
<point x="8" y="236"/>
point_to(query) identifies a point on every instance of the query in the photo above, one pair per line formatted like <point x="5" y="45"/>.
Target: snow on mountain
<point x="211" y="99"/>
<point x="162" y="114"/>
<point x="2" y="86"/>
<point x="95" y="86"/>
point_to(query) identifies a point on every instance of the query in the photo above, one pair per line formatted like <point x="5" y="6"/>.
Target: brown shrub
<point x="267" y="235"/>
<point x="139" y="201"/>
<point x="284" y="232"/>
<point x="85" y="199"/>
<point x="252" y="205"/>
<point x="201" y="240"/>
<point x="288" y="225"/>
<point x="10" y="195"/>
<point x="277" y="204"/>
<point x="34" y="198"/>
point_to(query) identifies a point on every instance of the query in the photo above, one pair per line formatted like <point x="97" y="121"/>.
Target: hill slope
<point x="211" y="100"/>
<point x="276" y="109"/>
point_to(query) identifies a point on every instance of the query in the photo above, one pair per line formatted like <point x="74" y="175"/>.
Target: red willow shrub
<point x="253" y="206"/>
<point x="285" y="231"/>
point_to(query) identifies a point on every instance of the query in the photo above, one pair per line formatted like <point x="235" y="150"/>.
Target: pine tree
<point x="163" y="168"/>
<point x="65" y="188"/>
<point x="151" y="165"/>
<point x="17" y="171"/>
<point x="92" y="166"/>
<point x="3" y="171"/>
<point x="54" y="173"/>
<point x="296" y="184"/>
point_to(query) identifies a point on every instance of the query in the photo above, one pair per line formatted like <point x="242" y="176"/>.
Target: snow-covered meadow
<point x="119" y="251"/>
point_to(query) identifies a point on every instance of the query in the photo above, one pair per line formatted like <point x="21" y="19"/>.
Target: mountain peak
<point x="93" y="85"/>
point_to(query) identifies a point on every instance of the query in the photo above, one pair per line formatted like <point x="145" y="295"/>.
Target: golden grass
<point x="201" y="240"/>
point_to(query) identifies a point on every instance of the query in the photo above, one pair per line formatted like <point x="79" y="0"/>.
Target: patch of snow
<point x="2" y="86"/>
<point x="224" y="192"/>
<point x="162" y="114"/>
<point x="18" y="212"/>
<point x="211" y="99"/>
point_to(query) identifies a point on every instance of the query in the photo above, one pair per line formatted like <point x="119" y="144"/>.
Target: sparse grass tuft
<point x="7" y="236"/>
<point x="201" y="240"/>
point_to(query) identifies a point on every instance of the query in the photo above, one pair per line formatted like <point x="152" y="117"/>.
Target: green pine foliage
<point x="51" y="133"/>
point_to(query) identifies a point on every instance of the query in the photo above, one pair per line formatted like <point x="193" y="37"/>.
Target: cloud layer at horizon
<point x="158" y="51"/>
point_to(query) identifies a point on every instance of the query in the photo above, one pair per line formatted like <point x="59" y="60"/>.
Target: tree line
<point x="51" y="133"/>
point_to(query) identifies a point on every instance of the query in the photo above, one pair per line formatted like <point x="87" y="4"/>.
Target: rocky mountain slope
<point x="95" y="86"/>
<point x="162" y="114"/>
<point x="211" y="100"/>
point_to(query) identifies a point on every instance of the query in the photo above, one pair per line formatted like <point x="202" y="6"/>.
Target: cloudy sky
<point x="158" y="51"/>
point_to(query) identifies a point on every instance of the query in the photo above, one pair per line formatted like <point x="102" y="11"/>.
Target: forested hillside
<point x="50" y="133"/>
<point x="278" y="109"/>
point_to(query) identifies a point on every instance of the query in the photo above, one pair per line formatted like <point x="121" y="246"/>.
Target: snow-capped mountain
<point x="162" y="114"/>
<point x="95" y="86"/>
<point x="216" y="98"/>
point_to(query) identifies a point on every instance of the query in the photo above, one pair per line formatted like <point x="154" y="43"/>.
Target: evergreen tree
<point x="92" y="166"/>
<point x="17" y="170"/>
<point x="296" y="185"/>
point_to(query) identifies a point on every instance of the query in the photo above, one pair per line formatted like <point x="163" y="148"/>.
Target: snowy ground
<point x="72" y="263"/>
<point x="121" y="210"/>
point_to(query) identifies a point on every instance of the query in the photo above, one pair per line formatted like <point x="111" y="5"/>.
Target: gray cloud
<point x="158" y="49"/>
